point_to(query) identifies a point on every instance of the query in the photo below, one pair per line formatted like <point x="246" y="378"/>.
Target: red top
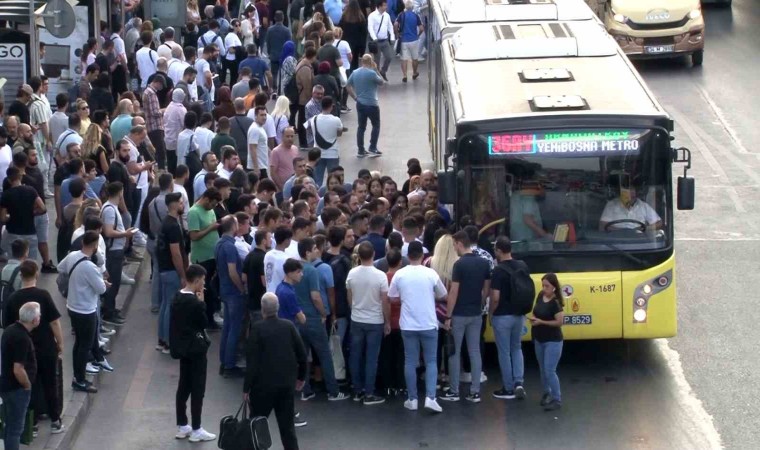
<point x="395" y="307"/>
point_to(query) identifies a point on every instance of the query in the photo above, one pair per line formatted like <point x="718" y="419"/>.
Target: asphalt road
<point x="695" y="391"/>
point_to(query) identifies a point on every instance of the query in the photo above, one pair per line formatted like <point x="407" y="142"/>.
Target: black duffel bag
<point x="243" y="433"/>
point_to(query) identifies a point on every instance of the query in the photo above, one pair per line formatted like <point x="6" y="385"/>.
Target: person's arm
<point x="234" y="277"/>
<point x="559" y="319"/>
<point x="252" y="156"/>
<point x="55" y="327"/>
<point x="486" y="289"/>
<point x="196" y="235"/>
<point x="371" y="27"/>
<point x="316" y="299"/>
<point x="451" y="301"/>
<point x="178" y="261"/>
<point x="331" y="300"/>
<point x="349" y="297"/>
<point x="58" y="207"/>
<point x="530" y="221"/>
<point x="39" y="206"/>
<point x="386" y="312"/>
<point x="3" y="215"/>
<point x="21" y="376"/>
<point x="495" y="297"/>
<point x="103" y="161"/>
<point x="300" y="357"/>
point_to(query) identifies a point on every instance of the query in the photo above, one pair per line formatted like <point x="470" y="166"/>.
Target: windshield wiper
<point x="626" y="254"/>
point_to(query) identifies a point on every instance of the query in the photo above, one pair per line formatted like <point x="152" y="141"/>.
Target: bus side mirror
<point x="447" y="187"/>
<point x="685" y="193"/>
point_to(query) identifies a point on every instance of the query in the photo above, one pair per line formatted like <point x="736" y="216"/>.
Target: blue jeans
<point x="324" y="165"/>
<point x="234" y="308"/>
<point x="314" y="336"/>
<point x="507" y="331"/>
<point x="373" y="114"/>
<point x="548" y="354"/>
<point x="429" y="341"/>
<point x="155" y="287"/>
<point x="469" y="326"/>
<point x="365" y="337"/>
<point x="15" y="403"/>
<point x="170" y="284"/>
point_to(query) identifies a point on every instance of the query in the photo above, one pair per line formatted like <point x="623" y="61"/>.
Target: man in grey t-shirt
<point x="116" y="239"/>
<point x="362" y="87"/>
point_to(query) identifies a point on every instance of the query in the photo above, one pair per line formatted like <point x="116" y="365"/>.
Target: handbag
<point x="336" y="349"/>
<point x="243" y="433"/>
<point x="372" y="46"/>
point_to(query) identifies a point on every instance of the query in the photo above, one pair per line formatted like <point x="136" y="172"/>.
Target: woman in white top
<point x="281" y="116"/>
<point x="193" y="13"/>
<point x="249" y="24"/>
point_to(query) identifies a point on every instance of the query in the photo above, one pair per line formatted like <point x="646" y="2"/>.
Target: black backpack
<point x="522" y="290"/>
<point x="291" y="90"/>
<point x="6" y="289"/>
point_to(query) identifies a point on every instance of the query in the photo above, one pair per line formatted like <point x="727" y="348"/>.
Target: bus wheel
<point x="697" y="57"/>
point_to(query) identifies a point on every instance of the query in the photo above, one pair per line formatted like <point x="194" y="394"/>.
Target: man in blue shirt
<point x="313" y="330"/>
<point x="362" y="87"/>
<point x="76" y="168"/>
<point x="259" y="67"/>
<point x="286" y="292"/>
<point x="232" y="293"/>
<point x="409" y="28"/>
<point x="375" y="236"/>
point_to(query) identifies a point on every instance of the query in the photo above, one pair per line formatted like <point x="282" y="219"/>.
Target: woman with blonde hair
<point x="281" y="116"/>
<point x="443" y="259"/>
<point x="82" y="212"/>
<point x="83" y="110"/>
<point x="92" y="148"/>
<point x="193" y="13"/>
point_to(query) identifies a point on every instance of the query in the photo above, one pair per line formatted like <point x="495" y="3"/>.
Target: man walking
<point x="275" y="369"/>
<point x="470" y="283"/>
<point x="362" y="87"/>
<point x="381" y="32"/>
<point x="418" y="287"/>
<point x="409" y="28"/>
<point x="313" y="331"/>
<point x="370" y="321"/>
<point x="19" y="369"/>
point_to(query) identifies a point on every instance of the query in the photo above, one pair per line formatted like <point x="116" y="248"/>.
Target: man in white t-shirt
<point x="326" y="128"/>
<point x="141" y="170"/>
<point x="205" y="76"/>
<point x="629" y="208"/>
<point x="5" y="155"/>
<point x="367" y="289"/>
<point x="275" y="258"/>
<point x="169" y="47"/>
<point x="146" y="58"/>
<point x="418" y="287"/>
<point x="258" y="148"/>
<point x="232" y="44"/>
<point x="261" y="99"/>
<point x="203" y="134"/>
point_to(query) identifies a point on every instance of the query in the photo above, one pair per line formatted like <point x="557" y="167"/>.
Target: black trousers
<point x="45" y="388"/>
<point x="391" y="362"/>
<point x="192" y="384"/>
<point x="300" y="121"/>
<point x="211" y="296"/>
<point x="171" y="161"/>
<point x="159" y="143"/>
<point x="232" y="68"/>
<point x="264" y="400"/>
<point x="114" y="266"/>
<point x="85" y="341"/>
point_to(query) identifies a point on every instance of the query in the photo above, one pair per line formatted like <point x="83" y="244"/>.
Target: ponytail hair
<point x="551" y="278"/>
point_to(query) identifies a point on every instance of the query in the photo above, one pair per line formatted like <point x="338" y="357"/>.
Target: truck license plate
<point x="656" y="49"/>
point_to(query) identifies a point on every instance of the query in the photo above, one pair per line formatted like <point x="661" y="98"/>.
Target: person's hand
<point x="58" y="222"/>
<point x="215" y="225"/>
<point x="387" y="328"/>
<point x="108" y="284"/>
<point x="200" y="296"/>
<point x="59" y="349"/>
<point x="299" y="385"/>
<point x="333" y="318"/>
<point x="447" y="324"/>
<point x="535" y="321"/>
<point x="131" y="232"/>
<point x="245" y="396"/>
<point x="182" y="282"/>
<point x="324" y="319"/>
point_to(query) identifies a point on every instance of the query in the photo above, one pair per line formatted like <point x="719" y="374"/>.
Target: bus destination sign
<point x="567" y="143"/>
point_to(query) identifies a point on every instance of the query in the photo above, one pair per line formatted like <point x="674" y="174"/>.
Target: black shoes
<point x="234" y="372"/>
<point x="85" y="386"/>
<point x="48" y="267"/>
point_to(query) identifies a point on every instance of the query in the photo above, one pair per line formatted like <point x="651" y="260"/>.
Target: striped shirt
<point x="154" y="119"/>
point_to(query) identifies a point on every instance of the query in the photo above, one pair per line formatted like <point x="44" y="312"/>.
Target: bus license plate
<point x="656" y="49"/>
<point x="579" y="319"/>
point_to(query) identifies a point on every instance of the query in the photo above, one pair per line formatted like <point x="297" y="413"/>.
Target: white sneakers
<point x="432" y="405"/>
<point x="92" y="368"/>
<point x="201" y="435"/>
<point x="183" y="432"/>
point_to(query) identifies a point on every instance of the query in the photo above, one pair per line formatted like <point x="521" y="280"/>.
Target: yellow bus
<point x="544" y="132"/>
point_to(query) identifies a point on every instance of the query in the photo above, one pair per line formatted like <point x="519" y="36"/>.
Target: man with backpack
<point x="10" y="279"/>
<point x="512" y="296"/>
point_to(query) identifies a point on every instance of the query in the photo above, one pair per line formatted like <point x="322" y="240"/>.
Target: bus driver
<point x="629" y="212"/>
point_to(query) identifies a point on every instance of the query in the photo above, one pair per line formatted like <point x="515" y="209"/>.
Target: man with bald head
<point x="275" y="368"/>
<point x="25" y="139"/>
<point x="362" y="87"/>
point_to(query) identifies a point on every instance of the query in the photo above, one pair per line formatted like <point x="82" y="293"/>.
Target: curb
<point x="77" y="408"/>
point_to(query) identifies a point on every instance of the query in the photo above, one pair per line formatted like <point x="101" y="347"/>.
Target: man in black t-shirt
<point x="172" y="262"/>
<point x="507" y="323"/>
<point x="253" y="271"/>
<point x="18" y="369"/>
<point x="18" y="206"/>
<point x="47" y="339"/>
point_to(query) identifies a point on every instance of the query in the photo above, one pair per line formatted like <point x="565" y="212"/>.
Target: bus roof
<point x="506" y="70"/>
<point x="451" y="13"/>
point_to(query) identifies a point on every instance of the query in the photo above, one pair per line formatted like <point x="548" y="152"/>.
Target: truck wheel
<point x="697" y="57"/>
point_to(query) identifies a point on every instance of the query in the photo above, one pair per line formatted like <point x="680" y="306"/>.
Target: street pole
<point x="34" y="43"/>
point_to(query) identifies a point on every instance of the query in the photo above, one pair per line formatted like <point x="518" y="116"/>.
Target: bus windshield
<point x="569" y="190"/>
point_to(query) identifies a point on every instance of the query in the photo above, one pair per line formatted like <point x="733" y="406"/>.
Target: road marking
<point x="723" y="121"/>
<point x="140" y="381"/>
<point x="688" y="401"/>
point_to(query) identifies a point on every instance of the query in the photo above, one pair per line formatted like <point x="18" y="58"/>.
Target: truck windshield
<point x="569" y="191"/>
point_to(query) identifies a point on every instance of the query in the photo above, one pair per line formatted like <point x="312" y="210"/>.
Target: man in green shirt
<point x="202" y="226"/>
<point x="222" y="138"/>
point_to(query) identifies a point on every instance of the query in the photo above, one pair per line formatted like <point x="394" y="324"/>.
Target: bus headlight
<point x="619" y="18"/>
<point x="644" y="293"/>
<point x="695" y="14"/>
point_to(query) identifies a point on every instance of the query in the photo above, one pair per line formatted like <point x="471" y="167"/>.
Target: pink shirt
<point x="281" y="160"/>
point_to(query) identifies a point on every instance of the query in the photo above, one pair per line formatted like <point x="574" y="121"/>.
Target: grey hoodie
<point x="86" y="283"/>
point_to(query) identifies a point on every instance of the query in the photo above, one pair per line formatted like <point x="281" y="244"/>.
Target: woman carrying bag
<point x="547" y="320"/>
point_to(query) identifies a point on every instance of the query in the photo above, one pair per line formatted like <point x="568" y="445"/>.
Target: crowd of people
<point x="222" y="160"/>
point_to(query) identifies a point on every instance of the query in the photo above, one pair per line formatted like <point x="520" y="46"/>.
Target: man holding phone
<point x="116" y="236"/>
